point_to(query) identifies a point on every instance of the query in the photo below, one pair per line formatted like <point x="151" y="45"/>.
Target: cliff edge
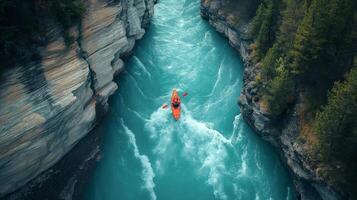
<point x="48" y="106"/>
<point x="283" y="133"/>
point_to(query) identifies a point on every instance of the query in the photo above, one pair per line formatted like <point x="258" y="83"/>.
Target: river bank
<point x="142" y="143"/>
<point x="210" y="153"/>
<point x="281" y="134"/>
<point x="49" y="105"/>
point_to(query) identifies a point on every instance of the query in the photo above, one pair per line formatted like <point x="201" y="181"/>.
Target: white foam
<point x="288" y="194"/>
<point x="256" y="158"/>
<point x="218" y="79"/>
<point x="257" y="196"/>
<point x="137" y="114"/>
<point x="204" y="146"/>
<point x="162" y="135"/>
<point x="237" y="130"/>
<point x="147" y="173"/>
<point x="137" y="86"/>
<point x="142" y="66"/>
<point x="243" y="169"/>
<point x="224" y="95"/>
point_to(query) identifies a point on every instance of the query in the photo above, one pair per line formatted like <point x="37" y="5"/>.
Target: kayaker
<point x="176" y="102"/>
<point x="175" y="105"/>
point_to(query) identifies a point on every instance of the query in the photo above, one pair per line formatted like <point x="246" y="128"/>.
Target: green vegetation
<point x="280" y="90"/>
<point x="322" y="39"/>
<point x="23" y="26"/>
<point x="336" y="128"/>
<point x="274" y="28"/>
<point x="66" y="11"/>
<point x="304" y="49"/>
<point x="264" y="27"/>
<point x="240" y="10"/>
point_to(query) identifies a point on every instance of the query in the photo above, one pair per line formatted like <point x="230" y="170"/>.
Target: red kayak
<point x="175" y="105"/>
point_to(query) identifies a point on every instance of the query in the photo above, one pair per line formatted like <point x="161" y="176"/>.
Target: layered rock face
<point x="225" y="23"/>
<point x="48" y="106"/>
<point x="282" y="134"/>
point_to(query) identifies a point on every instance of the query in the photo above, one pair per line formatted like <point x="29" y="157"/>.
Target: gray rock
<point x="237" y="34"/>
<point x="47" y="107"/>
<point x="281" y="134"/>
<point x="118" y="66"/>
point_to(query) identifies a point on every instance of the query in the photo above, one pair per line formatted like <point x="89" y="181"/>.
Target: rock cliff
<point x="47" y="107"/>
<point x="282" y="134"/>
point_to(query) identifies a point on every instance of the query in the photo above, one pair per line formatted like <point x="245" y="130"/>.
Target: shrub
<point x="22" y="29"/>
<point x="336" y="129"/>
<point x="280" y="91"/>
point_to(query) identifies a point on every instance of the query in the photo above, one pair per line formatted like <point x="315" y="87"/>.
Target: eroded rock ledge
<point x="281" y="134"/>
<point x="47" y="107"/>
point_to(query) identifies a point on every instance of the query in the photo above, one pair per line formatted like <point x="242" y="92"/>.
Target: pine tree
<point x="336" y="128"/>
<point x="336" y="124"/>
<point x="257" y="20"/>
<point x="280" y="90"/>
<point x="264" y="27"/>
<point x="291" y="18"/>
<point x="323" y="35"/>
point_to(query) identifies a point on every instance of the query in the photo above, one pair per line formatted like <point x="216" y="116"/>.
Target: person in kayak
<point x="176" y="102"/>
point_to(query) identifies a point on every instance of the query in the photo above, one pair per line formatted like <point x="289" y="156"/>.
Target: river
<point x="210" y="153"/>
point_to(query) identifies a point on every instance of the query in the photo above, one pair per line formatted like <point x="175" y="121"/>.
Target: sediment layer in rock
<point x="48" y="106"/>
<point x="281" y="134"/>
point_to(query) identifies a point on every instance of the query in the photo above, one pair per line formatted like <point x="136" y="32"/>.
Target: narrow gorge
<point x="210" y="152"/>
<point x="290" y="132"/>
<point x="84" y="115"/>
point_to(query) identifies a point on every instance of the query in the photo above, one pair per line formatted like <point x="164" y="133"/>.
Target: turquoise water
<point x="210" y="153"/>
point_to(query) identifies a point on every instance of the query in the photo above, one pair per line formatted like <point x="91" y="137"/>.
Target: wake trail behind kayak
<point x="210" y="153"/>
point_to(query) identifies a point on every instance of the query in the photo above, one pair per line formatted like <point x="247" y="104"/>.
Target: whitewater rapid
<point x="210" y="153"/>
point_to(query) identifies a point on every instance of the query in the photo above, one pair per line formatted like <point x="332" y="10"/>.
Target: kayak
<point x="175" y="110"/>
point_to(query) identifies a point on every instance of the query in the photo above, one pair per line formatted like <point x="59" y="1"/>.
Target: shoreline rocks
<point x="48" y="106"/>
<point x="283" y="133"/>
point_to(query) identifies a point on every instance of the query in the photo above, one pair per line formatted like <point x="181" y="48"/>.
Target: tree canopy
<point x="305" y="49"/>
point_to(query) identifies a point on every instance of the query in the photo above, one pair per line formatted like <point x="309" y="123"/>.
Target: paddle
<point x="166" y="106"/>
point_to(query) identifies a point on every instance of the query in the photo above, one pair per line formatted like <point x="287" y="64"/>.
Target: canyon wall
<point x="47" y="107"/>
<point x="281" y="134"/>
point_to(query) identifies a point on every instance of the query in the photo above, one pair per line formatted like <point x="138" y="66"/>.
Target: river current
<point x="210" y="153"/>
